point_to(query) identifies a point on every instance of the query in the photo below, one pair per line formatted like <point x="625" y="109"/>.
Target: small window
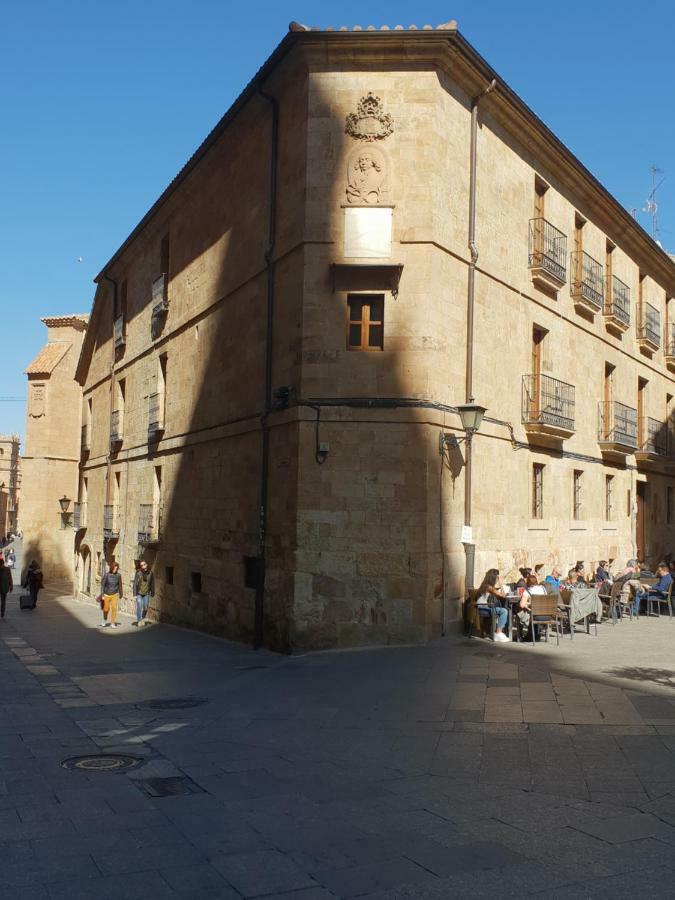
<point x="196" y="582"/>
<point x="538" y="491"/>
<point x="250" y="571"/>
<point x="669" y="506"/>
<point x="168" y="575"/>
<point x="366" y="322"/>
<point x="609" y="498"/>
<point x="576" y="502"/>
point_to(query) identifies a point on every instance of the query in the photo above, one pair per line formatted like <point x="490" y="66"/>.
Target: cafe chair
<point x="651" y="600"/>
<point x="544" y="612"/>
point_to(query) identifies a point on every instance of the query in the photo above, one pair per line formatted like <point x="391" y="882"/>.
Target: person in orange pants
<point x="111" y="588"/>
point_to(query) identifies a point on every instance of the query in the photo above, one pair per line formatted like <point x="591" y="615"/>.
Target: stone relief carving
<point x="367" y="170"/>
<point x="369" y="122"/>
<point x="37" y="400"/>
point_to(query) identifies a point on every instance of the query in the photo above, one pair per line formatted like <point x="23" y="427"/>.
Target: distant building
<point x="276" y="354"/>
<point x="52" y="447"/>
<point x="10" y="482"/>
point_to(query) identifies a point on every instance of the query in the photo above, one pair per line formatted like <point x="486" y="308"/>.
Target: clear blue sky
<point x="103" y="102"/>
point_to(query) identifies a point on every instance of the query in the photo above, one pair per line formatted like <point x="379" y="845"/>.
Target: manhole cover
<point x="172" y="786"/>
<point x="103" y="762"/>
<point x="175" y="703"/>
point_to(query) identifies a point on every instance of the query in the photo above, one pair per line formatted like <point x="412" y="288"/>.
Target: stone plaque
<point x="38" y="392"/>
<point x="368" y="232"/>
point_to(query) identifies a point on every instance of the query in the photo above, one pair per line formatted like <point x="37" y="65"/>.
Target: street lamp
<point x="64" y="503"/>
<point x="471" y="415"/>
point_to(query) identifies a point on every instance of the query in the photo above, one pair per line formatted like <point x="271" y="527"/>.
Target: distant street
<point x="456" y="769"/>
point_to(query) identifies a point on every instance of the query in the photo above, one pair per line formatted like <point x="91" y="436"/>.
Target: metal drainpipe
<point x="470" y="549"/>
<point x="112" y="396"/>
<point x="259" y="621"/>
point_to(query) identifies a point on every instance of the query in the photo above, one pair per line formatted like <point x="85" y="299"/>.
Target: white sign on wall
<point x="467" y="534"/>
<point x="368" y="232"/>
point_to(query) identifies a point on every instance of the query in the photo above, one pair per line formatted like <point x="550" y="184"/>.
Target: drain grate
<point x="102" y="762"/>
<point x="173" y="786"/>
<point x="175" y="703"/>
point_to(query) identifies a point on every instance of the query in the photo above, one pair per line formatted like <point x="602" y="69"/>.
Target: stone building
<point x="276" y="355"/>
<point x="52" y="447"/>
<point x="10" y="482"/>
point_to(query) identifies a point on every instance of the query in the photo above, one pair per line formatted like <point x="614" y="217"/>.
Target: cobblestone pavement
<point x="454" y="769"/>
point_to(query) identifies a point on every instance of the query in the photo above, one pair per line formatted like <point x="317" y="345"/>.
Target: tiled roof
<point x="48" y="358"/>
<point x="446" y="26"/>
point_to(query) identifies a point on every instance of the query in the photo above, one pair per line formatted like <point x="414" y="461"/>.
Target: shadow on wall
<point x="352" y="547"/>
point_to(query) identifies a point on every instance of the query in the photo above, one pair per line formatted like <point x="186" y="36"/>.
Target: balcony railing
<point x="617" y="304"/>
<point x="547" y="401"/>
<point x="84" y="443"/>
<point x="617" y="424"/>
<point x="653" y="436"/>
<point x="548" y="249"/>
<point x="79" y="516"/>
<point x="587" y="281"/>
<point x="116" y="426"/>
<point x="155" y="414"/>
<point x="149" y="520"/>
<point x="649" y="328"/>
<point x="119" y="335"/>
<point x="160" y="295"/>
<point x="111" y="526"/>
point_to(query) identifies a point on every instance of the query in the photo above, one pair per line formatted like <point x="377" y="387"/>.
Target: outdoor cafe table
<point x="582" y="602"/>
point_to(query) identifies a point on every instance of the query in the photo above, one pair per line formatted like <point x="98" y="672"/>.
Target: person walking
<point x="6" y="586"/>
<point x="144" y="589"/>
<point x="33" y="581"/>
<point x="111" y="589"/>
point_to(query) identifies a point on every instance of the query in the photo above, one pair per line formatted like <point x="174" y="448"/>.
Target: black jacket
<point x="111" y="583"/>
<point x="151" y="582"/>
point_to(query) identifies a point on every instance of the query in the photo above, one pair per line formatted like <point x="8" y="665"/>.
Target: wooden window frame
<point x="577" y="476"/>
<point x="609" y="498"/>
<point x="365" y="322"/>
<point x="537" y="491"/>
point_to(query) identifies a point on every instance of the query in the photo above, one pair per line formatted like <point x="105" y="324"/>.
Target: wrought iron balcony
<point x="155" y="415"/>
<point x="617" y="305"/>
<point x="84" y="443"/>
<point x="160" y="295"/>
<point x="649" y="327"/>
<point x="669" y="348"/>
<point x="652" y="440"/>
<point x="149" y="521"/>
<point x="548" y="406"/>
<point x="116" y="427"/>
<point x="111" y="528"/>
<point x="119" y="332"/>
<point x="587" y="282"/>
<point x="79" y="516"/>
<point x="547" y="256"/>
<point x="617" y="428"/>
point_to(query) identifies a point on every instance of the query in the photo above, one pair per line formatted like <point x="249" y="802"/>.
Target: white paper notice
<point x="467" y="534"/>
<point x="368" y="233"/>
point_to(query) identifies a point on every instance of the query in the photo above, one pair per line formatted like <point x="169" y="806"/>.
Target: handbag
<point x="99" y="599"/>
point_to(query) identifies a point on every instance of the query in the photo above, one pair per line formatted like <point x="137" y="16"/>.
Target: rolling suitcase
<point x="25" y="601"/>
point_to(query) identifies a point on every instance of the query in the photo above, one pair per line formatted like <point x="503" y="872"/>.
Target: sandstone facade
<point x="52" y="448"/>
<point x="10" y="482"/>
<point x="334" y="453"/>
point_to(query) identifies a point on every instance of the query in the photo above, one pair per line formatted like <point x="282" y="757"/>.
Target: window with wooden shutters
<point x="365" y="328"/>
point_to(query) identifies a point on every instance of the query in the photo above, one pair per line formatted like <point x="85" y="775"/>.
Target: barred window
<point x="576" y="501"/>
<point x="537" y="491"/>
<point x="609" y="499"/>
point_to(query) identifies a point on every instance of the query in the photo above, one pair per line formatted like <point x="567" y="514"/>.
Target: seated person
<point x="490" y="597"/>
<point x="660" y="589"/>
<point x="580" y="573"/>
<point x="532" y="588"/>
<point x="554" y="578"/>
<point x="522" y="581"/>
<point x="602" y="572"/>
<point x="629" y="577"/>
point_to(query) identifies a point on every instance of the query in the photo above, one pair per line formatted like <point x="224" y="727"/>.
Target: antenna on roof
<point x="651" y="207"/>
